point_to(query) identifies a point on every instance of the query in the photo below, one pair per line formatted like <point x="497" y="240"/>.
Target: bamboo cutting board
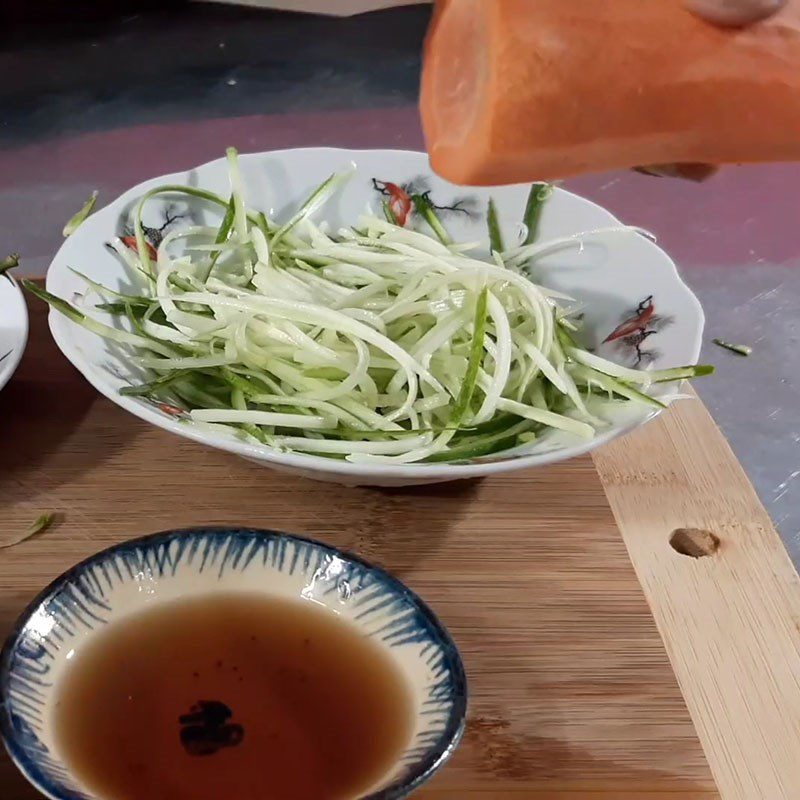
<point x="574" y="693"/>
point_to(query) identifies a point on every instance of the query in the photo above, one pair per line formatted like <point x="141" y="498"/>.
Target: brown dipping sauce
<point x="232" y="697"/>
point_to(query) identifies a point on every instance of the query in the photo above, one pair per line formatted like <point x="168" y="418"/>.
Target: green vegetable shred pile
<point x="376" y="343"/>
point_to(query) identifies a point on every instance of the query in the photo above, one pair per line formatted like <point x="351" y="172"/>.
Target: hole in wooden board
<point x="694" y="542"/>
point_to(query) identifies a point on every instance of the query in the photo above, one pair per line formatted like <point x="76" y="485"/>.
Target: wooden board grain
<point x="573" y="695"/>
<point x="731" y="619"/>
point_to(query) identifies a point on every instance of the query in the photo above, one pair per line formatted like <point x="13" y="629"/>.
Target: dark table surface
<point x="104" y="98"/>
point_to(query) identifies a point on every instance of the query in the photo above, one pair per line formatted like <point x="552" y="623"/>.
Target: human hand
<point x="730" y="13"/>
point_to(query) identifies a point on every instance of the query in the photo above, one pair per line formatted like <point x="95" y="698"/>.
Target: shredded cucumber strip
<point x="304" y="421"/>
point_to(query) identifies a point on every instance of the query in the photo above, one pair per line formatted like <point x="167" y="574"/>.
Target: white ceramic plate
<point x="622" y="278"/>
<point x="13" y="327"/>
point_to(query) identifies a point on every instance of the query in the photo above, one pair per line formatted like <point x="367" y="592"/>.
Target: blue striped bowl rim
<point x="417" y="773"/>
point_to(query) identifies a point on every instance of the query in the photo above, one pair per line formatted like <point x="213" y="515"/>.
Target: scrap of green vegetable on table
<point x="739" y="349"/>
<point x="39" y="525"/>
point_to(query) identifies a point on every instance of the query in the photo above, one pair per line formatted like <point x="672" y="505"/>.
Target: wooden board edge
<point x="730" y="619"/>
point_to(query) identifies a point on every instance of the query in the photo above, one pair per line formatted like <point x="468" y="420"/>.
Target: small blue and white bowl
<point x="125" y="579"/>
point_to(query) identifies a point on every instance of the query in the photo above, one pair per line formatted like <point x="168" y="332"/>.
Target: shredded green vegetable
<point x="8" y="263"/>
<point x="426" y="210"/>
<point x="539" y="195"/>
<point x="40" y="524"/>
<point x="77" y="219"/>
<point x="495" y="234"/>
<point x="739" y="349"/>
<point x="376" y="343"/>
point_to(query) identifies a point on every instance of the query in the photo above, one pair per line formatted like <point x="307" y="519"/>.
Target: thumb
<point x="735" y="12"/>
